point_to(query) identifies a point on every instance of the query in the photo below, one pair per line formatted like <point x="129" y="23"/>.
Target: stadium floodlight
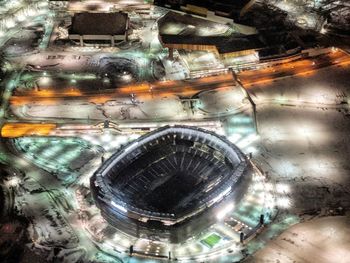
<point x="106" y="137"/>
<point x="31" y="12"/>
<point x="119" y="207"/>
<point x="235" y="137"/>
<point x="269" y="187"/>
<point x="20" y="17"/>
<point x="13" y="182"/>
<point x="131" y="146"/>
<point x="252" y="149"/>
<point x="10" y="23"/>
<point x="225" y="211"/>
<point x="246" y="141"/>
<point x="221" y="195"/>
<point x="45" y="80"/>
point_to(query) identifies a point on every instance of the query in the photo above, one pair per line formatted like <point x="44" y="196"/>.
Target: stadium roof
<point x="99" y="23"/>
<point x="223" y="44"/>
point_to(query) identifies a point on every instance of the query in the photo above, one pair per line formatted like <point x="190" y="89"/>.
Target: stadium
<point x="171" y="184"/>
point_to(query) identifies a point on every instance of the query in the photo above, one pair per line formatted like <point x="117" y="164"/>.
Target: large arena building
<point x="171" y="184"/>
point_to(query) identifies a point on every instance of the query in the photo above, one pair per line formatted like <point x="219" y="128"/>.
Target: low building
<point x="220" y="45"/>
<point x="185" y="32"/>
<point x="224" y="8"/>
<point x="178" y="31"/>
<point x="99" y="28"/>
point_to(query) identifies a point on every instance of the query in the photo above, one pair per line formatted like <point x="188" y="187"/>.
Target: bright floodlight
<point x="282" y="188"/>
<point x="13" y="182"/>
<point x="225" y="211"/>
<point x="283" y="202"/>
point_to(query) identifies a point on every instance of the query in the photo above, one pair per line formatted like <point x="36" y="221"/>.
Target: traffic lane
<point x="299" y="67"/>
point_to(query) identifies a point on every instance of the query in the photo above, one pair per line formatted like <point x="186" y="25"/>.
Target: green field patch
<point x="212" y="240"/>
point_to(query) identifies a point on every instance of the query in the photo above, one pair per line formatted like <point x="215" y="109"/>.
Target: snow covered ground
<point x="322" y="240"/>
<point x="305" y="145"/>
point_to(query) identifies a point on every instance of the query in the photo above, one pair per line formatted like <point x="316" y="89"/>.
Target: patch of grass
<point x="211" y="240"/>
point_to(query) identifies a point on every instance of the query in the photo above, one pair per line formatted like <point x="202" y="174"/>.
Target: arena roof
<point x="99" y="23"/>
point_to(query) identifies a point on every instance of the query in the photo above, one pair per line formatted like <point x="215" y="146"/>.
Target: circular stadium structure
<point x="171" y="184"/>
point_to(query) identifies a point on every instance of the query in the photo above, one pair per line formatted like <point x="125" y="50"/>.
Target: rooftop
<point x="175" y="28"/>
<point x="99" y="23"/>
<point x="223" y="44"/>
<point x="227" y="8"/>
<point x="185" y="30"/>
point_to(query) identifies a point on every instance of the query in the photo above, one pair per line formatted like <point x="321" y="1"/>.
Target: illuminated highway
<point x="143" y="91"/>
<point x="187" y="88"/>
<point x="300" y="68"/>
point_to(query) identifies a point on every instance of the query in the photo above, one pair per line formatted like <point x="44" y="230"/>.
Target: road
<point x="149" y="91"/>
<point x="183" y="88"/>
<point x="300" y="68"/>
<point x="144" y="91"/>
